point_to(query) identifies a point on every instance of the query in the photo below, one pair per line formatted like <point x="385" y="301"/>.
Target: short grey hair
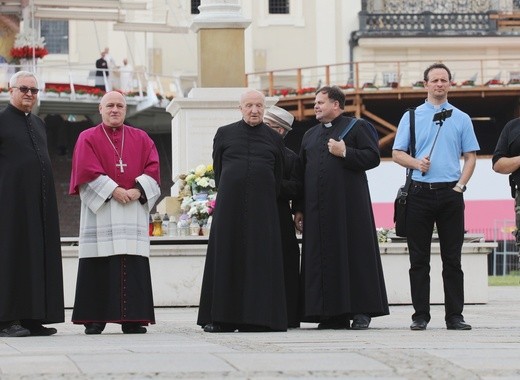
<point x="23" y="74"/>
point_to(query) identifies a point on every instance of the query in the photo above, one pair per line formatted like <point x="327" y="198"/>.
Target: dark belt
<point x="434" y="185"/>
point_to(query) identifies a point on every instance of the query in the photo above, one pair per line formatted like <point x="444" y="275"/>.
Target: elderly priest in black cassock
<point x="243" y="283"/>
<point x="31" y="281"/>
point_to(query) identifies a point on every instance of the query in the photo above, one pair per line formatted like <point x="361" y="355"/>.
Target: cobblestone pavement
<point x="176" y="348"/>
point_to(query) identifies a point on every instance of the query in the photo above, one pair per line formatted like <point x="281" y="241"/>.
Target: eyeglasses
<point x="25" y="89"/>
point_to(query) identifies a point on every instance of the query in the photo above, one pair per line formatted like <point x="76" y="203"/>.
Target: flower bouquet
<point x="347" y="87"/>
<point x="199" y="210"/>
<point x="468" y="83"/>
<point x="494" y="83"/>
<point x="369" y="86"/>
<point x="201" y="180"/>
<point x="306" y="90"/>
<point x="419" y="85"/>
<point x="285" y="92"/>
<point x="28" y="45"/>
<point x="514" y="82"/>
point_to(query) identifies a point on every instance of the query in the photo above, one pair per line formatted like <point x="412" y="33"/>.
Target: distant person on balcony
<point x="31" y="280"/>
<point x="102" y="72"/>
<point x="115" y="171"/>
<point x="126" y="76"/>
<point x="281" y="121"/>
<point x="436" y="194"/>
<point x="243" y="282"/>
<point x="112" y="70"/>
<point x="342" y="275"/>
<point x="506" y="160"/>
<point x="110" y="61"/>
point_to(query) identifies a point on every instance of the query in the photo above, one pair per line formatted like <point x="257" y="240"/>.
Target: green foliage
<point x="512" y="279"/>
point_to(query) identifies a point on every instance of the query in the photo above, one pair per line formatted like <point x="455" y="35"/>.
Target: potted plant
<point x="369" y="86"/>
<point x="494" y="83"/>
<point x="28" y="45"/>
<point x="51" y="92"/>
<point x="418" y="85"/>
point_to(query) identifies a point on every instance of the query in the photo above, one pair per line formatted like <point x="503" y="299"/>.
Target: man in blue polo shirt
<point x="443" y="134"/>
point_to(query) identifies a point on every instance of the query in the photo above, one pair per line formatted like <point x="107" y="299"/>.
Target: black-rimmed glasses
<point x="25" y="89"/>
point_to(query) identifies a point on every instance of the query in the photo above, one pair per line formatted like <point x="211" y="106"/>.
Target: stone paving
<point x="176" y="348"/>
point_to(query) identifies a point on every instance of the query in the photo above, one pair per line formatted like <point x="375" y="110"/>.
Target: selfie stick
<point x="439" y="118"/>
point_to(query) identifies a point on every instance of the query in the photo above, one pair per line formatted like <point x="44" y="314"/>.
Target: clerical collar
<point x="113" y="129"/>
<point x="327" y="125"/>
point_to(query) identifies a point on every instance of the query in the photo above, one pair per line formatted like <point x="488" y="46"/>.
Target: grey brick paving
<point x="176" y="348"/>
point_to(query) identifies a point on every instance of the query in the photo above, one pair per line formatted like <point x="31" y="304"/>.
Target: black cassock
<point x="291" y="190"/>
<point x="243" y="279"/>
<point x="31" y="280"/>
<point x="341" y="263"/>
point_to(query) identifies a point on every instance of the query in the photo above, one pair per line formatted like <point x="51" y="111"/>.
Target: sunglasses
<point x="25" y="89"/>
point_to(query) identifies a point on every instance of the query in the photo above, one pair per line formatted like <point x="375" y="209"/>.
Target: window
<point x="195" y="7"/>
<point x="280" y="12"/>
<point x="56" y="33"/>
<point x="278" y="6"/>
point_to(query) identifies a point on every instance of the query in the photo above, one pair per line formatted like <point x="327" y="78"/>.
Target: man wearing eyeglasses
<point x="31" y="281"/>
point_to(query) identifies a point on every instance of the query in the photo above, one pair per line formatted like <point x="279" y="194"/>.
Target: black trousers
<point x="445" y="208"/>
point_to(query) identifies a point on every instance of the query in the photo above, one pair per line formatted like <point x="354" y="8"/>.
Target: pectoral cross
<point x="121" y="165"/>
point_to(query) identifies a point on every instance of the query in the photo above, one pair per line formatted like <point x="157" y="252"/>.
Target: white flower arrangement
<point x="200" y="209"/>
<point x="29" y="37"/>
<point x="382" y="235"/>
<point x="201" y="179"/>
<point x="28" y="45"/>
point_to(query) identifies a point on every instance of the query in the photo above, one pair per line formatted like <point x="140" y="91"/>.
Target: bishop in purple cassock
<point x="115" y="171"/>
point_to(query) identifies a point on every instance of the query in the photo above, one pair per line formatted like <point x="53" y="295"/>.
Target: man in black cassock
<point x="281" y="121"/>
<point x="102" y="72"/>
<point x="341" y="266"/>
<point x="243" y="282"/>
<point x="31" y="280"/>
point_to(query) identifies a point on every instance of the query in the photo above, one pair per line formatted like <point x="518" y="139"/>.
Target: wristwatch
<point x="461" y="187"/>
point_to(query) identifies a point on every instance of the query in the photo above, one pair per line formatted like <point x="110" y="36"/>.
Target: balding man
<point x="115" y="171"/>
<point x="243" y="284"/>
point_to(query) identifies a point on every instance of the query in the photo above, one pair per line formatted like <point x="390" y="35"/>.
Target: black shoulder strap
<point x="411" y="112"/>
<point x="347" y="129"/>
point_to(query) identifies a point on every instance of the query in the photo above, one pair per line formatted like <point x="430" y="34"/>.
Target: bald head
<point x="252" y="106"/>
<point x="113" y="109"/>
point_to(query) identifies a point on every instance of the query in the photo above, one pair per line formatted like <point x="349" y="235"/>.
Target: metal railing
<point x="371" y="75"/>
<point x="426" y="24"/>
<point x="76" y="80"/>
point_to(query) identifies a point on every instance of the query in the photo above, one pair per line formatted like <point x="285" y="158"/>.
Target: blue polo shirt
<point x="456" y="136"/>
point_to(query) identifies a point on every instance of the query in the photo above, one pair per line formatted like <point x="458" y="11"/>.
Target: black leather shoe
<point x="218" y="328"/>
<point x="14" y="331"/>
<point x="458" y="325"/>
<point x="94" y="328"/>
<point x="133" y="328"/>
<point x="418" y="324"/>
<point x="43" y="331"/>
<point x="360" y="322"/>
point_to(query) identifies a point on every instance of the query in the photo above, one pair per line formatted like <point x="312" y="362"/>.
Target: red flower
<point x="28" y="51"/>
<point x="493" y="82"/>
